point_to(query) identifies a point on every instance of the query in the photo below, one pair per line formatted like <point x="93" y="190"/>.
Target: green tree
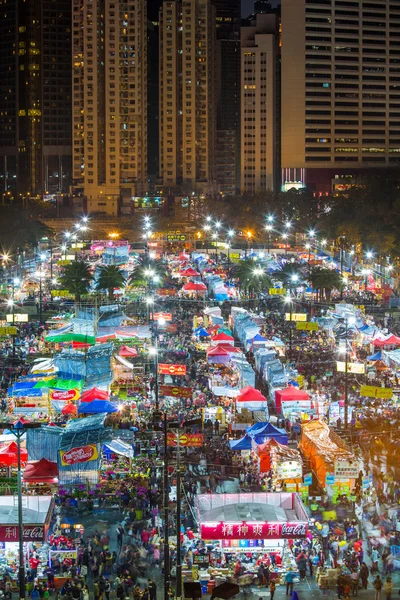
<point x="76" y="278"/>
<point x="20" y="228"/>
<point x="148" y="272"/>
<point x="252" y="278"/>
<point x="290" y="275"/>
<point x="324" y="281"/>
<point x="110" y="277"/>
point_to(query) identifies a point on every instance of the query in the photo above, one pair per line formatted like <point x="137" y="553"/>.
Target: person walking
<point x="364" y="573"/>
<point x="388" y="588"/>
<point x="289" y="577"/>
<point x="272" y="588"/>
<point x="378" y="587"/>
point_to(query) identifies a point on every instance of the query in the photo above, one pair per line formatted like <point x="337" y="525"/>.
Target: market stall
<point x="249" y="529"/>
<point x="335" y="467"/>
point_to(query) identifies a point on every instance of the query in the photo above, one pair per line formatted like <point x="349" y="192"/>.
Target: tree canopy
<point x="76" y="278"/>
<point x="110" y="277"/>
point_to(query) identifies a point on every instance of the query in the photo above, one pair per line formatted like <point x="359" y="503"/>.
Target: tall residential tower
<point x="340" y="89"/>
<point x="109" y="102"/>
<point x="35" y="97"/>
<point x="187" y="96"/>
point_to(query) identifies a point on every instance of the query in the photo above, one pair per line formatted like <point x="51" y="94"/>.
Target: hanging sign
<point x="188" y="440"/>
<point x="372" y="391"/>
<point x="296" y="317"/>
<point x="67" y="395"/>
<point x="176" y="392"/>
<point x="277" y="291"/>
<point x="355" y="368"/>
<point x="81" y="454"/>
<point x="253" y="531"/>
<point x="165" y="369"/>
<point x="307" y="326"/>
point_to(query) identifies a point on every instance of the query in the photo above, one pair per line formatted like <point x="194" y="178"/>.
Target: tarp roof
<point x="189" y="272"/>
<point x="216" y="351"/>
<point x="119" y="447"/>
<point x="194" y="287"/>
<point x="41" y="471"/>
<point x="90" y="430"/>
<point x="96" y="407"/>
<point x="69" y="409"/>
<point x="270" y="430"/>
<point x="250" y="394"/>
<point x="201" y="332"/>
<point x="127" y="351"/>
<point x="222" y="337"/>
<point x="392" y="340"/>
<point x="94" y="394"/>
<point x="70" y="337"/>
<point x="291" y="393"/>
<point x="376" y="356"/>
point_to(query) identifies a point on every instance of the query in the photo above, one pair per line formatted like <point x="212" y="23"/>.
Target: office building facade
<point x="340" y="90"/>
<point x="259" y="104"/>
<point x="187" y="97"/>
<point x="35" y="98"/>
<point x="109" y="102"/>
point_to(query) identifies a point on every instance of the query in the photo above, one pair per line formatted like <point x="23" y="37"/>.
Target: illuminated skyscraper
<point x="35" y="97"/>
<point x="109" y="101"/>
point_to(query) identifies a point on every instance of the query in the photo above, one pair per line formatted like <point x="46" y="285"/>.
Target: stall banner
<point x="8" y="331"/>
<point x="253" y="531"/>
<point x="329" y="479"/>
<point x="189" y="440"/>
<point x="32" y="533"/>
<point x="372" y="391"/>
<point x="162" y="315"/>
<point x="64" y="394"/>
<point x="296" y="317"/>
<point x="277" y="291"/>
<point x="81" y="454"/>
<point x="165" y="369"/>
<point x="308" y="479"/>
<point x="307" y="326"/>
<point x="17" y="318"/>
<point x="347" y="469"/>
<point x="62" y="554"/>
<point x="177" y="392"/>
<point x="289" y="469"/>
<point x="167" y="292"/>
<point x="355" y="368"/>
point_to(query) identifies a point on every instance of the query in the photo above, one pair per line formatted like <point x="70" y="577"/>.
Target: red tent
<point x="69" y="409"/>
<point x="127" y="351"/>
<point x="250" y="394"/>
<point x="9" y="455"/>
<point x="216" y="351"/>
<point x="190" y="272"/>
<point x="222" y="337"/>
<point x="230" y="349"/>
<point x="195" y="287"/>
<point x="94" y="394"/>
<point x="41" y="471"/>
<point x="183" y="256"/>
<point x="392" y="340"/>
<point x="290" y="393"/>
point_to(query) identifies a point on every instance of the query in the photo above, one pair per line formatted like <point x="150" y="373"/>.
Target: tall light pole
<point x="268" y="228"/>
<point x="11" y="303"/>
<point x="40" y="274"/>
<point x="18" y="429"/>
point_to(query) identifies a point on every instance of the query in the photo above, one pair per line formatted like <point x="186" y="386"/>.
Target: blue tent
<point x="96" y="406"/>
<point x="258" y="338"/>
<point x="376" y="356"/>
<point x="268" y="430"/>
<point x="201" y="332"/>
<point x="246" y="442"/>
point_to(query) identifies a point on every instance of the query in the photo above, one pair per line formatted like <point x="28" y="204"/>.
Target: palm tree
<point x="288" y="273"/>
<point x="110" y="277"/>
<point x="324" y="281"/>
<point x="252" y="278"/>
<point x="76" y="278"/>
<point x="147" y="273"/>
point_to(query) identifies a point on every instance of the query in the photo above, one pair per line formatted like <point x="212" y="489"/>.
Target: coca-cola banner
<point x="81" y="454"/>
<point x="253" y="531"/>
<point x="32" y="533"/>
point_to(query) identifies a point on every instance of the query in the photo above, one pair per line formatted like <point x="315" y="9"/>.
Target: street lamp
<point x="249" y="236"/>
<point x="40" y="275"/>
<point x="288" y="300"/>
<point x="18" y="429"/>
<point x="268" y="228"/>
<point x="349" y="321"/>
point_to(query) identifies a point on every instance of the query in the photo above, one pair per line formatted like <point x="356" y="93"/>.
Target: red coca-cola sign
<point x="32" y="533"/>
<point x="253" y="531"/>
<point x="81" y="454"/>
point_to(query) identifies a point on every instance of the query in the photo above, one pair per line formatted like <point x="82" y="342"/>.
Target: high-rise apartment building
<point x="35" y="97"/>
<point x="259" y="105"/>
<point x="340" y="89"/>
<point x="109" y="101"/>
<point x="228" y="94"/>
<point x="187" y="96"/>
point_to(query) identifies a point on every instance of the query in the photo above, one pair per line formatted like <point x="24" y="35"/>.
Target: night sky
<point x="247" y="7"/>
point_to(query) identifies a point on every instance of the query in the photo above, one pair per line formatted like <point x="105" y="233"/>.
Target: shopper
<point x="272" y="588"/>
<point x="378" y="587"/>
<point x="388" y="588"/>
<point x="289" y="577"/>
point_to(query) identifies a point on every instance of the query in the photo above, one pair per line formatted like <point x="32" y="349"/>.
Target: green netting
<point x="61" y="384"/>
<point x="71" y="337"/>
